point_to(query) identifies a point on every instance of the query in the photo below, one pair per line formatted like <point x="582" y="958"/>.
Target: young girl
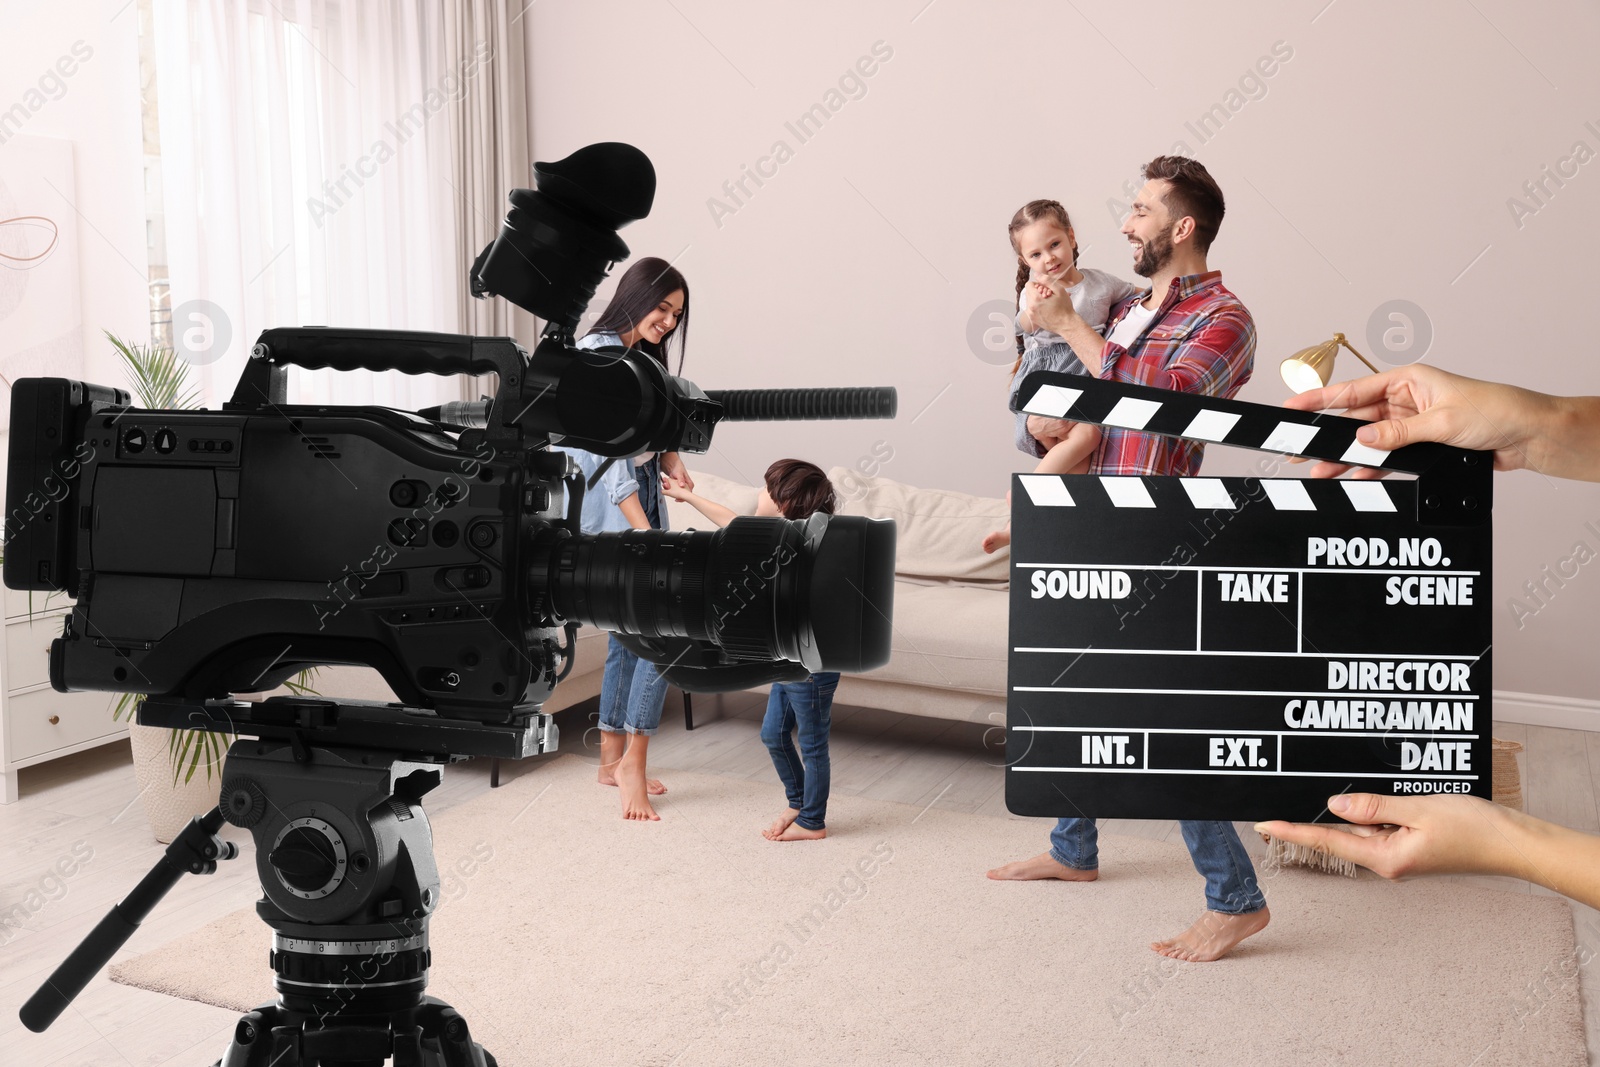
<point x="794" y="489"/>
<point x="651" y="307"/>
<point x="1047" y="261"/>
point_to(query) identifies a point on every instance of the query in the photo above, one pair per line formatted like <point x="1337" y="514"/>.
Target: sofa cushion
<point x="939" y="532"/>
<point x="948" y="636"/>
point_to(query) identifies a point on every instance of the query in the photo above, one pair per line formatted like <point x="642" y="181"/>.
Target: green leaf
<point x="301" y="684"/>
<point x="127" y="704"/>
<point x="160" y="379"/>
<point x="195" y="762"/>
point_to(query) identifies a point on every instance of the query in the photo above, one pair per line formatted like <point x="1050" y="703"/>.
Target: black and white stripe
<point x="1215" y="494"/>
<point x="1211" y="419"/>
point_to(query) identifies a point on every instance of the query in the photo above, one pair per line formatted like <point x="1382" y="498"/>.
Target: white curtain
<point x="306" y="167"/>
<point x="489" y="147"/>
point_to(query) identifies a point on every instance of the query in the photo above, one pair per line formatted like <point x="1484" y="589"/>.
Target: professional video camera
<point x="214" y="553"/>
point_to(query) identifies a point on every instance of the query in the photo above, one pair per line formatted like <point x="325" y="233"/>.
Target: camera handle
<point x="196" y="850"/>
<point x="407" y="351"/>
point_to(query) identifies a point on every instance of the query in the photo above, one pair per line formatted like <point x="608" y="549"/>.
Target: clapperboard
<point x="1243" y="648"/>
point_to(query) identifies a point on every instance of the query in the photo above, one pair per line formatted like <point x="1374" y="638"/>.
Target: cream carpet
<point x="567" y="935"/>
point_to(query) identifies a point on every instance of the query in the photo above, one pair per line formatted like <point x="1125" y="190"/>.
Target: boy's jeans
<point x="807" y="705"/>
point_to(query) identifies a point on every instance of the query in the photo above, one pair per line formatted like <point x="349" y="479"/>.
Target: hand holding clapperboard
<point x="1243" y="648"/>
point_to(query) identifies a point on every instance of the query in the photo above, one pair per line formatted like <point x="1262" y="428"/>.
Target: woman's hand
<point x="1420" y="403"/>
<point x="1400" y="837"/>
<point x="672" y="467"/>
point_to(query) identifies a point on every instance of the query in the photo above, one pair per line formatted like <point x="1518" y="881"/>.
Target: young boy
<point x="794" y="489"/>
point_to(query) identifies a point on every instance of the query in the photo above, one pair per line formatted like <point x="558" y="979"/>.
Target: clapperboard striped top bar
<point x="1208" y="494"/>
<point x="1079" y="398"/>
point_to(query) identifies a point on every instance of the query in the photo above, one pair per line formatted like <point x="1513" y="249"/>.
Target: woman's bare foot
<point x="780" y="824"/>
<point x="997" y="540"/>
<point x="1213" y="936"/>
<point x="635" y="801"/>
<point x="612" y="745"/>
<point x="652" y="786"/>
<point x="1043" y="865"/>
<point x="796" y="832"/>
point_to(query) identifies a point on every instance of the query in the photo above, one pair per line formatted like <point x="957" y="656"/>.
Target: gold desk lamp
<point x="1311" y="368"/>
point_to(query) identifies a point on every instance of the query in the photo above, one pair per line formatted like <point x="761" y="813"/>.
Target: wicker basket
<point x="1507" y="775"/>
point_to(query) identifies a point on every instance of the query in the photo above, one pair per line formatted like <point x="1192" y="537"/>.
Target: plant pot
<point x="169" y="806"/>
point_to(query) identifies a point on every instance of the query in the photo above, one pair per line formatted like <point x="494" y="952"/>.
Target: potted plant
<point x="179" y="771"/>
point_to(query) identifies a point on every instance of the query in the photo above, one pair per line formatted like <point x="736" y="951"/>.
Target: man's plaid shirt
<point x="1201" y="340"/>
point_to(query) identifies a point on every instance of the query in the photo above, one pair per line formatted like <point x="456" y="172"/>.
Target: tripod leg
<point x="446" y="1030"/>
<point x="255" y="1044"/>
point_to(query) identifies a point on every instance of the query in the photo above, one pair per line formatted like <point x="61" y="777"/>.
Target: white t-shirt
<point x="1132" y="325"/>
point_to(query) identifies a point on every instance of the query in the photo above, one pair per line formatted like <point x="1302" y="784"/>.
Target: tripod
<point x="331" y="794"/>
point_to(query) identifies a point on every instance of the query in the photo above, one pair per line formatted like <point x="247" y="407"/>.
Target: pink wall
<point x="1375" y="163"/>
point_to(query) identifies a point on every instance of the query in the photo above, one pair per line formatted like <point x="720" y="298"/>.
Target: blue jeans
<point x="632" y="692"/>
<point x="807" y="705"/>
<point x="1218" y="855"/>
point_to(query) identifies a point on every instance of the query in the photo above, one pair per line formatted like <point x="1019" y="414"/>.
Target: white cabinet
<point x="36" y="722"/>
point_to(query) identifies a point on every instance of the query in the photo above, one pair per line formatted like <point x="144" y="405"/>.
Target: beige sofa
<point x="950" y="599"/>
<point x="950" y="604"/>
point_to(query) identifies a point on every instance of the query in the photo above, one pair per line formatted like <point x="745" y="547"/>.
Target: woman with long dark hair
<point x="643" y="313"/>
<point x="650" y="312"/>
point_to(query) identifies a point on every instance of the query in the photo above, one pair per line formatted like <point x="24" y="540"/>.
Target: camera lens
<point x="817" y="592"/>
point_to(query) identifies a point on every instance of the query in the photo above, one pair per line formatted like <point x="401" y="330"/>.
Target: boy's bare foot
<point x="796" y="832"/>
<point x="1043" y="865"/>
<point x="1213" y="936"/>
<point x="635" y="802"/>
<point x="997" y="540"/>
<point x="780" y="824"/>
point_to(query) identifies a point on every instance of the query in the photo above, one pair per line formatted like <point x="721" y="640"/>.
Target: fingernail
<point x="1367" y="435"/>
<point x="1260" y="827"/>
<point x="1339" y="803"/>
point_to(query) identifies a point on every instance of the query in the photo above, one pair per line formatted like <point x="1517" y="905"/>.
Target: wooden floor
<point x="86" y="805"/>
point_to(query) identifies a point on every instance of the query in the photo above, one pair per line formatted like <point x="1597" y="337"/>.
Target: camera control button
<point x="133" y="440"/>
<point x="166" y="441"/>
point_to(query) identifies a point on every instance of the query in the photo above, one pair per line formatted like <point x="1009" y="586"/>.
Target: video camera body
<point x="218" y="552"/>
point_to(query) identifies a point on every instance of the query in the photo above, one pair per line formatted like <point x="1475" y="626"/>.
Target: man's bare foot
<point x="780" y="824"/>
<point x="1043" y="865"/>
<point x="997" y="540"/>
<point x="796" y="832"/>
<point x="652" y="785"/>
<point x="635" y="802"/>
<point x="1213" y="936"/>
